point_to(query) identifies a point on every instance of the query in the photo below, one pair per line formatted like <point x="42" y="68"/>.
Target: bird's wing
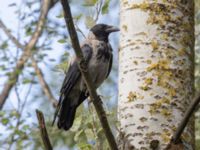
<point x="72" y="77"/>
<point x="74" y="73"/>
<point x="110" y="62"/>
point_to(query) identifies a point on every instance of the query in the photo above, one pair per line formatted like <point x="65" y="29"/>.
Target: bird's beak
<point x="112" y="29"/>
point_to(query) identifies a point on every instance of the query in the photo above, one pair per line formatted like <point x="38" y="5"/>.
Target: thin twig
<point x="98" y="9"/>
<point x="43" y="130"/>
<point x="191" y="109"/>
<point x="43" y="83"/>
<point x="11" y="37"/>
<point x="38" y="71"/>
<point x="87" y="78"/>
<point x="79" y="30"/>
<point x="14" y="75"/>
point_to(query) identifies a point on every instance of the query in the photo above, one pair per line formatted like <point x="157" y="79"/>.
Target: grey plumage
<point x="98" y="54"/>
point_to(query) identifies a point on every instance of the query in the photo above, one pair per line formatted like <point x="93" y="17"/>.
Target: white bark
<point x="155" y="71"/>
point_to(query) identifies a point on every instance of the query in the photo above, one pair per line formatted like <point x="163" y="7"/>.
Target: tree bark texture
<point x="156" y="65"/>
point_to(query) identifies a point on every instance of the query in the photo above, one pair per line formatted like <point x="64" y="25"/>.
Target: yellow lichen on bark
<point x="156" y="67"/>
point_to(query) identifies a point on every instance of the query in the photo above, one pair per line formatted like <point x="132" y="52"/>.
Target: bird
<point x="98" y="56"/>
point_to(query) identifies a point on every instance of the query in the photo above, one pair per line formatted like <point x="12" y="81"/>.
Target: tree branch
<point x="43" y="130"/>
<point x="87" y="78"/>
<point x="38" y="71"/>
<point x="191" y="109"/>
<point x="10" y="36"/>
<point x="43" y="83"/>
<point x="12" y="79"/>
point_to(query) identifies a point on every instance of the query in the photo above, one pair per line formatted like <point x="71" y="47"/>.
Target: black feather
<point x="66" y="108"/>
<point x="73" y="91"/>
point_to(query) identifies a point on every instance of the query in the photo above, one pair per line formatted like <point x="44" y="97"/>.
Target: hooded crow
<point x="97" y="52"/>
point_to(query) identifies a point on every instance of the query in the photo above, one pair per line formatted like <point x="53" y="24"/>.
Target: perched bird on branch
<point x="97" y="52"/>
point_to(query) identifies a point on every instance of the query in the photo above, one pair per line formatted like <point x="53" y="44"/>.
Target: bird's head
<point x="102" y="31"/>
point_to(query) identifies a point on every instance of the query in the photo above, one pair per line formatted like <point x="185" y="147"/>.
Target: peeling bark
<point x="155" y="71"/>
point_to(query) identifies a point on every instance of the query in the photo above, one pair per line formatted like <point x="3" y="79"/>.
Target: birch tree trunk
<point x="156" y="60"/>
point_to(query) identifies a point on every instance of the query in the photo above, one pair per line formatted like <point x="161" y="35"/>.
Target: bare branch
<point x="11" y="37"/>
<point x="43" y="83"/>
<point x="191" y="109"/>
<point x="43" y="131"/>
<point x="45" y="6"/>
<point x="79" y="30"/>
<point x="38" y="71"/>
<point x="98" y="10"/>
<point x="87" y="78"/>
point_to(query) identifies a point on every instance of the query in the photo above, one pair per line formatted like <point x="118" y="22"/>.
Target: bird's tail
<point x="65" y="113"/>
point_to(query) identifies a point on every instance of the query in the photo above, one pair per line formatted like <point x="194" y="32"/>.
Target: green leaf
<point x="28" y="31"/>
<point x="2" y="113"/>
<point x="78" y="17"/>
<point x="62" y="41"/>
<point x="78" y="134"/>
<point x="77" y="124"/>
<point x="61" y="15"/>
<point x="85" y="146"/>
<point x="89" y="21"/>
<point x="2" y="67"/>
<point x="62" y="67"/>
<point x="26" y="127"/>
<point x="89" y="125"/>
<point x="4" y="121"/>
<point x="14" y="113"/>
<point x="105" y="7"/>
<point x="4" y="45"/>
<point x="89" y="3"/>
<point x="26" y="81"/>
<point x="18" y="71"/>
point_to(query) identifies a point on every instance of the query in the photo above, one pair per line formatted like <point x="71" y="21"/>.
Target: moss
<point x="149" y="61"/>
<point x="166" y="112"/>
<point x="145" y="87"/>
<point x="172" y="92"/>
<point x="166" y="136"/>
<point x="135" y="62"/>
<point x="148" y="81"/>
<point x="132" y="96"/>
<point x="125" y="27"/>
<point x="162" y="64"/>
<point x="154" y="44"/>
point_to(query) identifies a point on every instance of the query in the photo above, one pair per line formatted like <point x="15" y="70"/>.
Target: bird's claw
<point x="83" y="65"/>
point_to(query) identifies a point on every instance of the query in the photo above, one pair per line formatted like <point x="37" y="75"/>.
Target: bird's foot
<point x="83" y="65"/>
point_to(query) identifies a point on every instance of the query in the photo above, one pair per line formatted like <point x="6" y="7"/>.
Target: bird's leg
<point x="83" y="65"/>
